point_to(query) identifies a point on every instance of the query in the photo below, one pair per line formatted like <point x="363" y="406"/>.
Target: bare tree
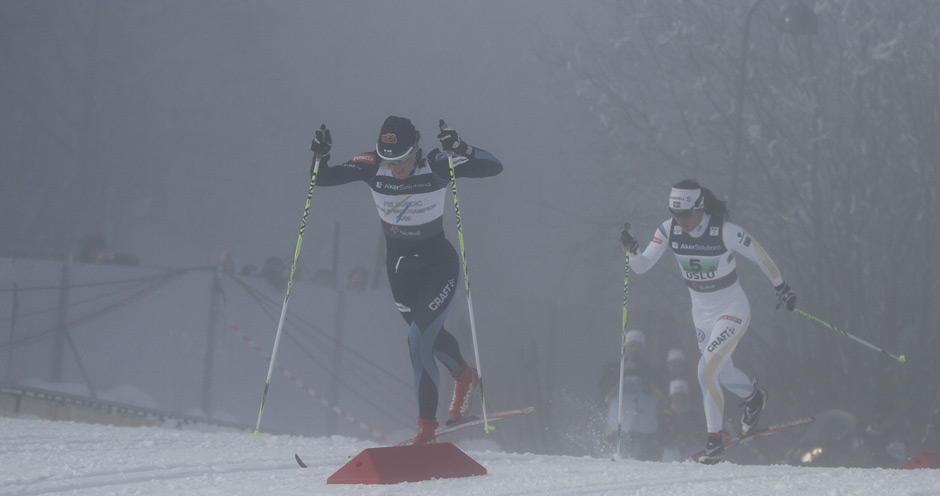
<point x="838" y="171"/>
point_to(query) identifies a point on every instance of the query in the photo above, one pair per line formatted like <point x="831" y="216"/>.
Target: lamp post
<point x="796" y="18"/>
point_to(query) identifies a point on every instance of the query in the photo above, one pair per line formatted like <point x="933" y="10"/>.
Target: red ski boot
<point x="426" y="431"/>
<point x="467" y="379"/>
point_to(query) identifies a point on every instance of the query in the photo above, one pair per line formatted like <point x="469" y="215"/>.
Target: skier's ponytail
<point x="714" y="205"/>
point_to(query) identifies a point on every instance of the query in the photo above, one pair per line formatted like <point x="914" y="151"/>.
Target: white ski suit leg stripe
<point x="717" y="370"/>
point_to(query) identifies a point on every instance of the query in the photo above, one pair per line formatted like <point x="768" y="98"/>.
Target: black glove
<point x="322" y="142"/>
<point x="786" y="297"/>
<point x="627" y="239"/>
<point x="450" y="142"/>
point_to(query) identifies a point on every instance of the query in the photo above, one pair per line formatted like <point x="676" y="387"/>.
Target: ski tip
<point x="299" y="461"/>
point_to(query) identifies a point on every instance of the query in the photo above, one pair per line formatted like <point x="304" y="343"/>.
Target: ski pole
<point x="827" y="325"/>
<point x="623" y="345"/>
<point x="466" y="278"/>
<point x="290" y="280"/>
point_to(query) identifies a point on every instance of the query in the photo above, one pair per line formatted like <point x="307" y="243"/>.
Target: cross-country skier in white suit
<point x="706" y="245"/>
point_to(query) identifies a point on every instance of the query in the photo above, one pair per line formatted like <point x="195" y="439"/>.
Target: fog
<point x="177" y="131"/>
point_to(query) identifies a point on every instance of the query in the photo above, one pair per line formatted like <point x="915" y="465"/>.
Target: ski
<point x="760" y="432"/>
<point x="468" y="422"/>
<point x="472" y="421"/>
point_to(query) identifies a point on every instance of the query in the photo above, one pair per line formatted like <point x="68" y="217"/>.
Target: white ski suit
<point x="720" y="309"/>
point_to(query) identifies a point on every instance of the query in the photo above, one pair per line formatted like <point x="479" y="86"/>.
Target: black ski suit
<point x="423" y="267"/>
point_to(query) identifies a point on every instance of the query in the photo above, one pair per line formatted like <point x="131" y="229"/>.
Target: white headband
<point x="635" y="335"/>
<point x="685" y="199"/>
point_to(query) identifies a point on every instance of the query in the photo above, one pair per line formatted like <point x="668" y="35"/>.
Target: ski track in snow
<point x="43" y="457"/>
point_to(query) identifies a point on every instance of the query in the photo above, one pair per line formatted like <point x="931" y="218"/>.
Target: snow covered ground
<point x="44" y="457"/>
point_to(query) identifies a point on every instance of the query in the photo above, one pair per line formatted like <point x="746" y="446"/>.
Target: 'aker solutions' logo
<point x="389" y="138"/>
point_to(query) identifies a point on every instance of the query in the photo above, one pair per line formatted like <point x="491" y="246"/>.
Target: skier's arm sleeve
<point x="643" y="262"/>
<point x="738" y="240"/>
<point x="475" y="163"/>
<point x="359" y="168"/>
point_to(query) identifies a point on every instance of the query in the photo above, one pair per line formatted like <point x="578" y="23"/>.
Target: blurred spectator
<point x="358" y="277"/>
<point x="635" y="363"/>
<point x="675" y="364"/>
<point x="94" y="250"/>
<point x="931" y="439"/>
<point x="638" y="419"/>
<point x="882" y="442"/>
<point x="678" y="435"/>
<point x="675" y="367"/>
<point x="609" y="379"/>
